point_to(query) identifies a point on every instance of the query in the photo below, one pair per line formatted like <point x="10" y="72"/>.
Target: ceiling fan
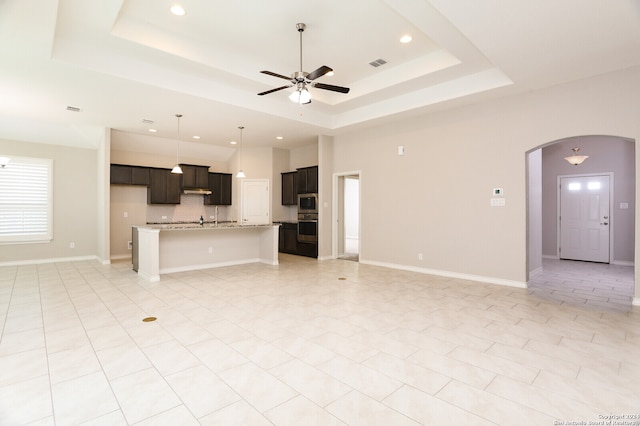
<point x="302" y="80"/>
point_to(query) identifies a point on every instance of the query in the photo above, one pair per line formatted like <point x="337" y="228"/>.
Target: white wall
<point x="132" y="201"/>
<point x="534" y="235"/>
<point x="435" y="199"/>
<point x="304" y="157"/>
<point x="76" y="210"/>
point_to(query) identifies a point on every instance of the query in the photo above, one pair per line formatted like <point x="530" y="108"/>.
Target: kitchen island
<point x="167" y="248"/>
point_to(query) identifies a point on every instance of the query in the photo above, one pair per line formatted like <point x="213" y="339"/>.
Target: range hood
<point x="197" y="191"/>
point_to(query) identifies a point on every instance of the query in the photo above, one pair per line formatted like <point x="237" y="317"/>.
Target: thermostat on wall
<point x="498" y="191"/>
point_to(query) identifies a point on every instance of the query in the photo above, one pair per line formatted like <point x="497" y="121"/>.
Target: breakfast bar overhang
<point x="163" y="249"/>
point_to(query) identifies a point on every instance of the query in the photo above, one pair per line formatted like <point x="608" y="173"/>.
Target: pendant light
<point x="177" y="169"/>
<point x="576" y="159"/>
<point x="240" y="173"/>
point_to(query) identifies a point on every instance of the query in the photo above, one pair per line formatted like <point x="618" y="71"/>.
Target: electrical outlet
<point x="419" y="256"/>
<point x="164" y="217"/>
<point x="130" y="245"/>
<point x="125" y="214"/>
<point x="72" y="245"/>
<point x="212" y="217"/>
<point x="210" y="250"/>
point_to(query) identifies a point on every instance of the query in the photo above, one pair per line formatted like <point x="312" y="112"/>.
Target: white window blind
<point x="25" y="200"/>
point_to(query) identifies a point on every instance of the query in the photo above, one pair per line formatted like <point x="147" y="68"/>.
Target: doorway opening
<point x="346" y="229"/>
<point x="608" y="156"/>
<point x="584" y="221"/>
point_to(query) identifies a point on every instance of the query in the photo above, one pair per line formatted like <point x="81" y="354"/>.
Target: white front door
<point x="255" y="201"/>
<point x="585" y="218"/>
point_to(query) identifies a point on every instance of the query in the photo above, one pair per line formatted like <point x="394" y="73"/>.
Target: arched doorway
<point x="607" y="154"/>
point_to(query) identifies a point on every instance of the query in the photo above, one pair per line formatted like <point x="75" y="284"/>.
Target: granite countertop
<point x="206" y="225"/>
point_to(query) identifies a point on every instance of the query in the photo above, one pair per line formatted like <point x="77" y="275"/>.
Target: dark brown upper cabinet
<point x="164" y="187"/>
<point x="129" y="175"/>
<point x="195" y="176"/>
<point x="220" y="186"/>
<point x="307" y="180"/>
<point x="289" y="188"/>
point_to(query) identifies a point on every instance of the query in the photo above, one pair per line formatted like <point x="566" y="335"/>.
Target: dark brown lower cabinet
<point x="308" y="249"/>
<point x="288" y="242"/>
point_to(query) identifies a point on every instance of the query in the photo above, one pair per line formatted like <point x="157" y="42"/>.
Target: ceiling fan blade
<point x="331" y="87"/>
<point x="319" y="72"/>
<point x="276" y="75"/>
<point x="274" y="90"/>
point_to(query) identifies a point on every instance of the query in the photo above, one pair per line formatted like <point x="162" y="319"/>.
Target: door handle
<point x="605" y="223"/>
<point x="606" y="217"/>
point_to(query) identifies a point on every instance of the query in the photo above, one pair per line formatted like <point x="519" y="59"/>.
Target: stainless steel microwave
<point x="307" y="203"/>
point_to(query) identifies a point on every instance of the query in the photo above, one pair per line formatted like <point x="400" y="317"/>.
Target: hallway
<point x="586" y="284"/>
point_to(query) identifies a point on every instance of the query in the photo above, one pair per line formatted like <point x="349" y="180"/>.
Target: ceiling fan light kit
<point x="303" y="80"/>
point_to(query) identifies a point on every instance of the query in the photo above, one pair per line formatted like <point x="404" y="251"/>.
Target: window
<point x="26" y="200"/>
<point x="575" y="186"/>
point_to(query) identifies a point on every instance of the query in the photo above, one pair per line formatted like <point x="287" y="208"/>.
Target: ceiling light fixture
<point x="178" y="10"/>
<point x="177" y="169"/>
<point x="576" y="159"/>
<point x="301" y="95"/>
<point x="240" y="173"/>
<point x="406" y="38"/>
<point x="4" y="161"/>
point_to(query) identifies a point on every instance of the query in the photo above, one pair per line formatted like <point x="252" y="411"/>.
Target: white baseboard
<point x="48" y="260"/>
<point x="478" y="278"/>
<point x="622" y="263"/>
<point x="550" y="256"/>
<point x="121" y="257"/>
<point x="209" y="266"/>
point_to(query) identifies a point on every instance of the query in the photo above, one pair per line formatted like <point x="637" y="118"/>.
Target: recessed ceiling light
<point x="279" y="138"/>
<point x="406" y="38"/>
<point x="178" y="10"/>
<point x="152" y="130"/>
<point x="233" y="142"/>
<point x="196" y="137"/>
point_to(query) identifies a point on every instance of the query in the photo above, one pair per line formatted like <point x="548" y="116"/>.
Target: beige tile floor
<point x="315" y="343"/>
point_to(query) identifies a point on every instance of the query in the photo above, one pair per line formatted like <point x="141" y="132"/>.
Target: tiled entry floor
<point x="304" y="343"/>
<point x="588" y="284"/>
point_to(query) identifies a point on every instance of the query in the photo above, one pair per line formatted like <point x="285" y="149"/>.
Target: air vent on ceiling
<point x="378" y="62"/>
<point x="72" y="108"/>
<point x="147" y="121"/>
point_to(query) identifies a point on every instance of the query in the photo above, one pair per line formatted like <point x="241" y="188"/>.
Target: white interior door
<point x="255" y="201"/>
<point x="585" y="218"/>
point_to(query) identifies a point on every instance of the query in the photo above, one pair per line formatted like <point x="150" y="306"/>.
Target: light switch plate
<point x="498" y="202"/>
